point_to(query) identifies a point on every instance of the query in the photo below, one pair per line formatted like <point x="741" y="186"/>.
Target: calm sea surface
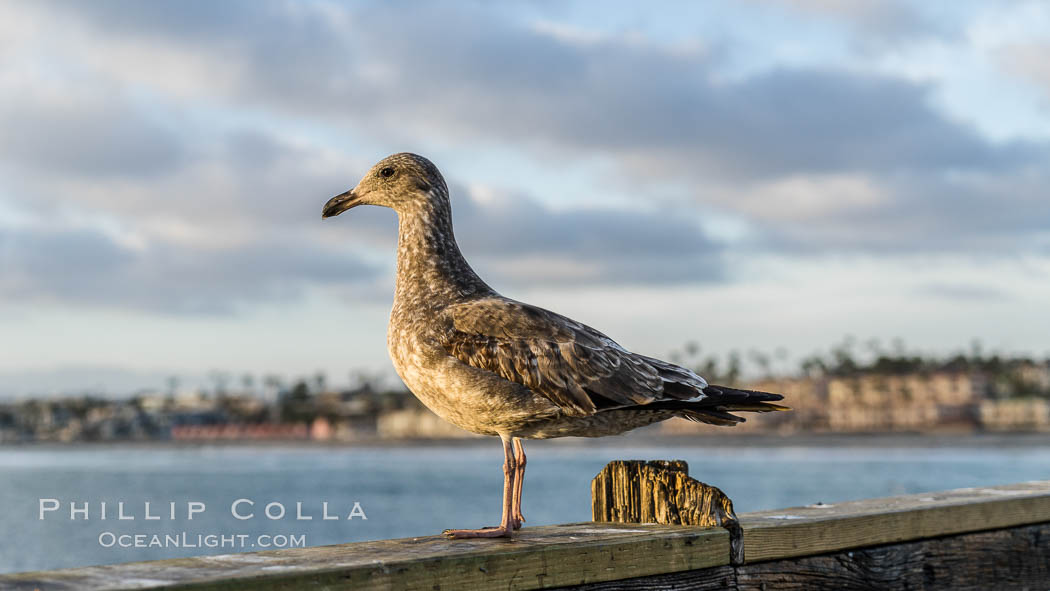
<point x="420" y="490"/>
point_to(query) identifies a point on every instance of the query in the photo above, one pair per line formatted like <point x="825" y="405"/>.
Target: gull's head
<point x="400" y="182"/>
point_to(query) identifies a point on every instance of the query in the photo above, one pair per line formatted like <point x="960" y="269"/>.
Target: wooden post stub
<point x="661" y="491"/>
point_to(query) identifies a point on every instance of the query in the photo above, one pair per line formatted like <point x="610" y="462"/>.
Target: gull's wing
<point x="578" y="368"/>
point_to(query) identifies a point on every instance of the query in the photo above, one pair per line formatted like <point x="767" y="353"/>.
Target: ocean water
<point x="406" y="491"/>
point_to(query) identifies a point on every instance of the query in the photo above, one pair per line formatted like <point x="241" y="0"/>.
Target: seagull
<point x="495" y="366"/>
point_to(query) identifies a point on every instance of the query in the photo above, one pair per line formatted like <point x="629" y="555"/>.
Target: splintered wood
<point x="661" y="491"/>
<point x="636" y="491"/>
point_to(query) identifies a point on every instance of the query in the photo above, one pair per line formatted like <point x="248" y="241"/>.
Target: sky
<point x="747" y="175"/>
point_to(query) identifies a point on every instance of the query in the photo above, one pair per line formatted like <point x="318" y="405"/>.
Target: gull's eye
<point x="386" y="172"/>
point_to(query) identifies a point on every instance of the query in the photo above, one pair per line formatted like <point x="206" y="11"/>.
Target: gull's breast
<point x="470" y="398"/>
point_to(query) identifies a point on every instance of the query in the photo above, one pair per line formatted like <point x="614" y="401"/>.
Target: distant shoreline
<point x="642" y="439"/>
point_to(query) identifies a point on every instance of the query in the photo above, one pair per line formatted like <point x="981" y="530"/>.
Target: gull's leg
<point x="519" y="479"/>
<point x="505" y="526"/>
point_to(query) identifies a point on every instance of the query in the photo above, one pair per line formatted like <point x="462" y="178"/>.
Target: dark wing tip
<point x="723" y="392"/>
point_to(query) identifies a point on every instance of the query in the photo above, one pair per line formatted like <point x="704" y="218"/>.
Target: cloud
<point x="1028" y="62"/>
<point x="238" y="186"/>
<point x="977" y="214"/>
<point x="659" y="114"/>
<point x="83" y="132"/>
<point x="964" y="292"/>
<point x="390" y="69"/>
<point x="519" y="241"/>
<point x="513" y="240"/>
<point x="185" y="148"/>
<point x="876" y="20"/>
<point x="88" y="267"/>
<point x="654" y="108"/>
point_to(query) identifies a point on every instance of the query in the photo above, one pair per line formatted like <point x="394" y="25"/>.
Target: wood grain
<point x="1015" y="558"/>
<point x="661" y="491"/>
<point x="819" y="529"/>
<point x="709" y="579"/>
<point x="539" y="557"/>
<point x="636" y="491"/>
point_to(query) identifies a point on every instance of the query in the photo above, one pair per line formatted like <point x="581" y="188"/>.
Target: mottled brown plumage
<point x="495" y="366"/>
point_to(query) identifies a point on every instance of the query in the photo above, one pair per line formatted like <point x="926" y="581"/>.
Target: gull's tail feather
<point x="718" y="404"/>
<point x="725" y="398"/>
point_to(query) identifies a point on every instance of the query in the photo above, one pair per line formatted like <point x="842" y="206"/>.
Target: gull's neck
<point x="431" y="271"/>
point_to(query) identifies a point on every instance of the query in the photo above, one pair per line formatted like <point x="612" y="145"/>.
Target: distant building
<point x="1025" y="414"/>
<point x="865" y="403"/>
<point x="913" y="402"/>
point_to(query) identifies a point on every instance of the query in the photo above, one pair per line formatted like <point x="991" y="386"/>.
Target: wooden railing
<point x="979" y="538"/>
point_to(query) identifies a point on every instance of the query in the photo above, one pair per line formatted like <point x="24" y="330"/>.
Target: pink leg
<point x="519" y="479"/>
<point x="506" y="526"/>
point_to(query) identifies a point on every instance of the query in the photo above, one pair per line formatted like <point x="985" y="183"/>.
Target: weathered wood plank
<point x="539" y="557"/>
<point x="716" y="578"/>
<point x="820" y="529"/>
<point x="1014" y="558"/>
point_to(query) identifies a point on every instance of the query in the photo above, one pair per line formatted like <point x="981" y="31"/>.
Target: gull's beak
<point x="340" y="203"/>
